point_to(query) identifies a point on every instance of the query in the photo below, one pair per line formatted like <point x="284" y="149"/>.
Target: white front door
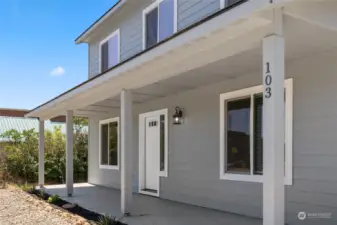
<point x="152" y="153"/>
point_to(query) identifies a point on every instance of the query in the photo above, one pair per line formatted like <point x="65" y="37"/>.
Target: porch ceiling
<point x="185" y="63"/>
<point x="299" y="43"/>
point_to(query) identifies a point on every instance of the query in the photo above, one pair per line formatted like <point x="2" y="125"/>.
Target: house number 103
<point x="267" y="81"/>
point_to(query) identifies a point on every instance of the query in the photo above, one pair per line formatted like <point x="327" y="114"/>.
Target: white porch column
<point x="41" y="153"/>
<point x="273" y="124"/>
<point x="69" y="153"/>
<point x="126" y="151"/>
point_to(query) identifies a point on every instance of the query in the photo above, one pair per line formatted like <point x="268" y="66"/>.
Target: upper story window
<point x="159" y="22"/>
<point x="109" y="51"/>
<point x="226" y="3"/>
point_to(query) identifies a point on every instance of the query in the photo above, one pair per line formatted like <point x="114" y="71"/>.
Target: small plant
<point x="41" y="194"/>
<point x="53" y="198"/>
<point x="108" y="220"/>
<point x="27" y="187"/>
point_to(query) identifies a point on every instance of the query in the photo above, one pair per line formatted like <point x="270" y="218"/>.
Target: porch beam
<point x="41" y="153"/>
<point x="273" y="123"/>
<point x="69" y="153"/>
<point x="126" y="151"/>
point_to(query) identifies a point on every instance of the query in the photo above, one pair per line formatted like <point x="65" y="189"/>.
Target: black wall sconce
<point x="178" y="116"/>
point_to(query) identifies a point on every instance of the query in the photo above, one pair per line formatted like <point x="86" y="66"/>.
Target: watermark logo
<point x="305" y="215"/>
<point x="302" y="215"/>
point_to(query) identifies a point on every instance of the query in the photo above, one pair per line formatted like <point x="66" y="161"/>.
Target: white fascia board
<point x="226" y="27"/>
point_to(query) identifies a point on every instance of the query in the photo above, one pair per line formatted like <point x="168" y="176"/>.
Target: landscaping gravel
<point x="18" y="207"/>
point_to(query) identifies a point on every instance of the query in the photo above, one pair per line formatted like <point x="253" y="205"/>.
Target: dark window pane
<point x="258" y="137"/>
<point x="162" y="142"/>
<point x="105" y="56"/>
<point x="166" y="20"/>
<point x="104" y="144"/>
<point x="238" y="136"/>
<point x="152" y="28"/>
<point x="113" y="144"/>
<point x="113" y="51"/>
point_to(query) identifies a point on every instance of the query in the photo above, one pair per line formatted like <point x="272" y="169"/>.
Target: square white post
<point x="126" y="151"/>
<point x="41" y="153"/>
<point x="273" y="125"/>
<point x="69" y="153"/>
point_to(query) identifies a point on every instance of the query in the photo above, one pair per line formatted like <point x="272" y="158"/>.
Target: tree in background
<point x="20" y="161"/>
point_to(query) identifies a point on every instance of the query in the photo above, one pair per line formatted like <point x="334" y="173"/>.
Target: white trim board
<point x="288" y="134"/>
<point x="107" y="121"/>
<point x="142" y="149"/>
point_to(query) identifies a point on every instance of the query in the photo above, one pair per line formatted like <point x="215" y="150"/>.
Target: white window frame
<point x="223" y="4"/>
<point x="152" y="7"/>
<point x="288" y="84"/>
<point x="102" y="122"/>
<point x="116" y="32"/>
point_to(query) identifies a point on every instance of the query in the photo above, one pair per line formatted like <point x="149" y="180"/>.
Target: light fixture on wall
<point x="178" y="116"/>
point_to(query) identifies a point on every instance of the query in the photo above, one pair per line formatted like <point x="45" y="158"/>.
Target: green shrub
<point x="53" y="198"/>
<point x="108" y="220"/>
<point x="27" y="187"/>
<point x="19" y="161"/>
<point x="41" y="194"/>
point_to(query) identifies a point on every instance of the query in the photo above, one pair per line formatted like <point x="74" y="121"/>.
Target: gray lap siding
<point x="130" y="22"/>
<point x="193" y="172"/>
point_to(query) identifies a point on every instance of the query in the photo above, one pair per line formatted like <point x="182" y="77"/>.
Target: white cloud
<point x="58" y="71"/>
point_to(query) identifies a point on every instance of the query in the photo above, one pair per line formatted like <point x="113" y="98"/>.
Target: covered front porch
<point x="146" y="210"/>
<point x="192" y="71"/>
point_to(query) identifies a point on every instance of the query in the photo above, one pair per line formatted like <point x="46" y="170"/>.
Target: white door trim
<point x="141" y="148"/>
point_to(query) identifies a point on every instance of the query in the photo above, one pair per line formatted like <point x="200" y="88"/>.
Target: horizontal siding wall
<point x="194" y="146"/>
<point x="191" y="11"/>
<point x="130" y="22"/>
<point x="315" y="132"/>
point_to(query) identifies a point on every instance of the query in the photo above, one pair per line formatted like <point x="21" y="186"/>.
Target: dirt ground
<point x="18" y="207"/>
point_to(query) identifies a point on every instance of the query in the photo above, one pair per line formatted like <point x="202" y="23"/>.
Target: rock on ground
<point x="18" y="207"/>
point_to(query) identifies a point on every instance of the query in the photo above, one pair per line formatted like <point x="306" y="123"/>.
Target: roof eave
<point x="83" y="38"/>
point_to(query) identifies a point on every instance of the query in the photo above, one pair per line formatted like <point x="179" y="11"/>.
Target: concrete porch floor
<point x="147" y="210"/>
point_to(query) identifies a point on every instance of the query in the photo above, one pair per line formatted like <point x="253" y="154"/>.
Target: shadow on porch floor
<point x="147" y="210"/>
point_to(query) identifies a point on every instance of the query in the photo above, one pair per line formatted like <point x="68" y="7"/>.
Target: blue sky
<point x="38" y="56"/>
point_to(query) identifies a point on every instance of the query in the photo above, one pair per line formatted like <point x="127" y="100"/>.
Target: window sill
<point x="108" y="167"/>
<point x="249" y="178"/>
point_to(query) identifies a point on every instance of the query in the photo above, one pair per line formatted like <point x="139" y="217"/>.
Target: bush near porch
<point x="19" y="158"/>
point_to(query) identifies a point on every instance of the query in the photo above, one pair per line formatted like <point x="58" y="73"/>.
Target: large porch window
<point x="241" y="140"/>
<point x="109" y="144"/>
